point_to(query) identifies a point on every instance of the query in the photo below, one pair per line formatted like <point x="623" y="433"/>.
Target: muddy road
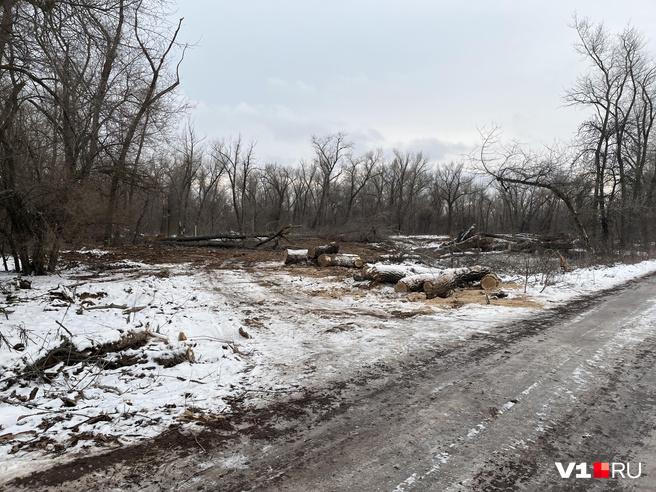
<point x="493" y="412"/>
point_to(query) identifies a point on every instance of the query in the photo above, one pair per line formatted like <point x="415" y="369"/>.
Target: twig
<point x="199" y="444"/>
<point x="66" y="329"/>
<point x="108" y="306"/>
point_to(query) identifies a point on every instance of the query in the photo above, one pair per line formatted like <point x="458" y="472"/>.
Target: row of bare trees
<point x="207" y="188"/>
<point x="88" y="151"/>
<point x="601" y="186"/>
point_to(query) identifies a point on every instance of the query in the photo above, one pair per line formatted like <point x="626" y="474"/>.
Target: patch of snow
<point x="588" y="280"/>
<point x="474" y="431"/>
<point x="506" y="406"/>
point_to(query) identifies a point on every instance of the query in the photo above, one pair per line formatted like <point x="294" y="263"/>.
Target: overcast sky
<point x="412" y="74"/>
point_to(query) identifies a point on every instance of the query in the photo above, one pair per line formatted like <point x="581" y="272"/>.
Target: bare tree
<point x="238" y="163"/>
<point x="551" y="171"/>
<point x="329" y="153"/>
<point x="452" y="184"/>
<point x="156" y="52"/>
<point x="358" y="171"/>
<point x="279" y="180"/>
<point x="408" y="180"/>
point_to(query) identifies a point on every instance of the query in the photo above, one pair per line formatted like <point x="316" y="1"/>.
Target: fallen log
<point x="231" y="239"/>
<point x="415" y="283"/>
<point x="325" y="249"/>
<point x="248" y="243"/>
<point x="209" y="237"/>
<point x="343" y="260"/>
<point x="390" y="274"/>
<point x="477" y="241"/>
<point x="296" y="256"/>
<point x="448" y="280"/>
<point x="385" y="274"/>
<point x="490" y="282"/>
<point x="486" y="242"/>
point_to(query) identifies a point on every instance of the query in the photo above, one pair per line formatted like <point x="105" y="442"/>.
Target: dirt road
<point x="493" y="412"/>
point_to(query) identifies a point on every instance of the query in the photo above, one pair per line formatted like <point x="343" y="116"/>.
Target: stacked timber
<point x="444" y="284"/>
<point x="325" y="249"/>
<point x="341" y="260"/>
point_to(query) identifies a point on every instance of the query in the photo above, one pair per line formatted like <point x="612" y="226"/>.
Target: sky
<point x="407" y="74"/>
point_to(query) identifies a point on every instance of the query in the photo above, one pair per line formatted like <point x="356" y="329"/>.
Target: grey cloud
<point x="436" y="149"/>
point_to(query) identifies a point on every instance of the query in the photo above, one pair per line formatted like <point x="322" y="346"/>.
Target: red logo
<point x="600" y="469"/>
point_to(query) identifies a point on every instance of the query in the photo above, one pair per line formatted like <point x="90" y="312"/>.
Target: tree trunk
<point x="415" y="283"/>
<point x="296" y="256"/>
<point x="448" y="280"/>
<point x="343" y="260"/>
<point x="385" y="274"/>
<point x="326" y="249"/>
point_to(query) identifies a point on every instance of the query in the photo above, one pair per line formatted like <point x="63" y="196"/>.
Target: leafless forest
<point x="91" y="150"/>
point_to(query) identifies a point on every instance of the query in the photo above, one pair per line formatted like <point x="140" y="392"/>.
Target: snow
<point x="305" y="332"/>
<point x="414" y="242"/>
<point x="403" y="268"/>
<point x="583" y="281"/>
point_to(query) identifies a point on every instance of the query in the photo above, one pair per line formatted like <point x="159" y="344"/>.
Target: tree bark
<point x="326" y="249"/>
<point x="296" y="256"/>
<point x="386" y="274"/>
<point x="343" y="260"/>
<point x="415" y="283"/>
<point x="448" y="280"/>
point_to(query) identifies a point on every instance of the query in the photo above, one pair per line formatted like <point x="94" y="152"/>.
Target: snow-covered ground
<point x="423" y="241"/>
<point x="210" y="334"/>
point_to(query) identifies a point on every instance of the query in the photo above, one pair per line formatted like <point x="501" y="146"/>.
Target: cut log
<point x="343" y="260"/>
<point x="415" y="283"/>
<point x="296" y="256"/>
<point x="444" y="285"/>
<point x="391" y="274"/>
<point x="325" y="249"/>
<point x="490" y="282"/>
<point x="385" y="274"/>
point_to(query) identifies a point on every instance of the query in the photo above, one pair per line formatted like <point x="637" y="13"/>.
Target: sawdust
<point x="477" y="296"/>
